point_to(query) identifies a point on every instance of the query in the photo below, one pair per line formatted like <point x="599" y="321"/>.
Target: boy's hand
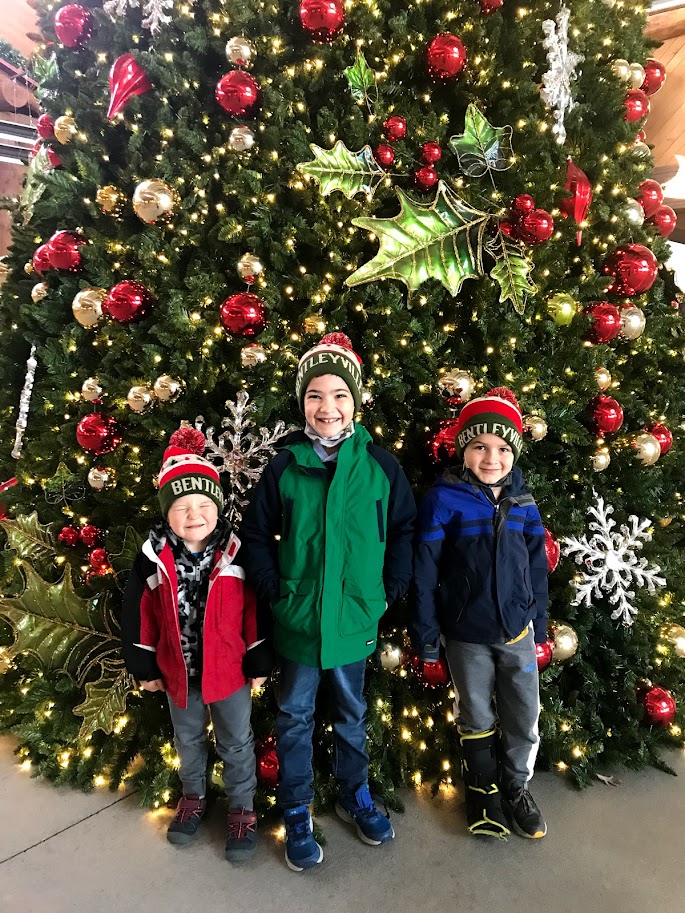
<point x="157" y="684"/>
<point x="256" y="683"/>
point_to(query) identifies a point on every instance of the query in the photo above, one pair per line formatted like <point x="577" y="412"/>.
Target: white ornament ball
<point x="647" y="448"/>
<point x="91" y="389"/>
<point x="39" y="291"/>
<point x="637" y="75"/>
<point x="241" y="139"/>
<point x="621" y="69"/>
<point x="390" y="656"/>
<point x="249" y="267"/>
<point x="632" y="322"/>
<point x="601" y="459"/>
<point x="241" y="53"/>
<point x="102" y="477"/>
<point x="139" y="398"/>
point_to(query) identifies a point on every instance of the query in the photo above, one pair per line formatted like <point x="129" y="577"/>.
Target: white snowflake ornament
<point x="556" y="82"/>
<point x="612" y="566"/>
<point x="153" y="10"/>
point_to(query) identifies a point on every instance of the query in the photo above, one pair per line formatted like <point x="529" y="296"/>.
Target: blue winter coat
<point x="480" y="568"/>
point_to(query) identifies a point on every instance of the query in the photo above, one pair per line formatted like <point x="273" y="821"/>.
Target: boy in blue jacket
<point x="480" y="578"/>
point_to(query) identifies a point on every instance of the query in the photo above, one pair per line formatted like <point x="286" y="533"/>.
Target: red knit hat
<point x="185" y="471"/>
<point x="333" y="355"/>
<point x="497" y="412"/>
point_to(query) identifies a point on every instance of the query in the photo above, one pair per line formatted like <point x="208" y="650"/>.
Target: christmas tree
<point x="460" y="187"/>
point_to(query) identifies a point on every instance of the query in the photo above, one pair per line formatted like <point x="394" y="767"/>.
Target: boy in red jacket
<point x="189" y="628"/>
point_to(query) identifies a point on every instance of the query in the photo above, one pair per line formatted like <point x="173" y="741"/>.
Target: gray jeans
<point x="500" y="681"/>
<point x="234" y="744"/>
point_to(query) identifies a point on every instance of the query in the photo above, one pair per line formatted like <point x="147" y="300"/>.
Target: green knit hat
<point x="333" y="355"/>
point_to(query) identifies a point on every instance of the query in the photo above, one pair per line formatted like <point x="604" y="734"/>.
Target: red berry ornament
<point x="45" y="126"/>
<point x="650" y="197"/>
<point x="606" y="415"/>
<point x="322" y="20"/>
<point x="659" y="706"/>
<point x="507" y="228"/>
<point x="41" y="260"/>
<point x="127" y="302"/>
<point x="665" y="220"/>
<point x="552" y="550"/>
<point x="636" y="104"/>
<point x="655" y="77"/>
<point x="543" y="653"/>
<point x="426" y="177"/>
<point x="489" y="6"/>
<point x="446" y="57"/>
<point x="73" y="25"/>
<point x="91" y="535"/>
<point x="441" y="445"/>
<point x="238" y="94"/>
<point x="63" y="251"/>
<point x="431" y="153"/>
<point x="98" y="559"/>
<point x="68" y="536"/>
<point x="395" y="128"/>
<point x="606" y="322"/>
<point x="535" y="227"/>
<point x="662" y="434"/>
<point x="98" y="433"/>
<point x="384" y="155"/>
<point x="522" y="204"/>
<point x="243" y="314"/>
<point x="634" y="269"/>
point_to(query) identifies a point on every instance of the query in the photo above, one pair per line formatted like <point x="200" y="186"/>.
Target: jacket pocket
<point x="287" y="517"/>
<point x="381" y="520"/>
<point x="361" y="609"/>
<point x="297" y="607"/>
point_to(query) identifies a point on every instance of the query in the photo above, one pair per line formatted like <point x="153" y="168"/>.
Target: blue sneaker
<point x="301" y="849"/>
<point x="373" y="827"/>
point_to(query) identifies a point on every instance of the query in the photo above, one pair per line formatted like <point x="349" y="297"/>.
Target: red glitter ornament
<point x="543" y="653"/>
<point x="606" y="322"/>
<point x="68" y="536"/>
<point x="665" y="220"/>
<point x="655" y="76"/>
<point x="267" y="762"/>
<point x="127" y="302"/>
<point x="446" y="57"/>
<point x="384" y="155"/>
<point x="45" y="126"/>
<point x="431" y="153"/>
<point x="395" y="128"/>
<point x="634" y="268"/>
<point x="650" y="197"/>
<point x="243" y="314"/>
<point x="98" y="433"/>
<point x="73" y="25"/>
<point x="322" y="20"/>
<point x="238" y="93"/>
<point x="91" y="535"/>
<point x="660" y="706"/>
<point x="662" y="434"/>
<point x="126" y="79"/>
<point x="606" y="415"/>
<point x="426" y="177"/>
<point x="435" y="674"/>
<point x="552" y="551"/>
<point x="441" y="445"/>
<point x="99" y="559"/>
<point x="636" y="104"/>
<point x="63" y="251"/>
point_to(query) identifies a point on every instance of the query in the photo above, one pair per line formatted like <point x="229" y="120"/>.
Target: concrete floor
<point x="608" y="850"/>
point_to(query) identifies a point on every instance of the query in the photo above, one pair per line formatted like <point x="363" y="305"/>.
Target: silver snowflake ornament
<point x="556" y="82"/>
<point x="612" y="566"/>
<point x="153" y="10"/>
<point x="239" y="452"/>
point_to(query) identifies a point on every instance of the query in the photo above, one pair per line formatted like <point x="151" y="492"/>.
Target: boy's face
<point x="193" y="518"/>
<point x="328" y="405"/>
<point x="489" y="458"/>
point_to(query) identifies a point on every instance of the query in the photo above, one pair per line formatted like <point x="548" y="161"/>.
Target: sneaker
<point x="189" y="812"/>
<point x="241" y="841"/>
<point x="524" y="815"/>
<point x="373" y="827"/>
<point x="301" y="849"/>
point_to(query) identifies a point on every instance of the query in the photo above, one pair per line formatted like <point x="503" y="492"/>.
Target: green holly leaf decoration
<point x="441" y="240"/>
<point x="339" y="169"/>
<point x="482" y="147"/>
<point x="28" y="538"/>
<point x="512" y="272"/>
<point x="105" y="700"/>
<point x="360" y="78"/>
<point x="63" y="632"/>
<point x="44" y="68"/>
<point x="123" y="560"/>
<point x="64" y="486"/>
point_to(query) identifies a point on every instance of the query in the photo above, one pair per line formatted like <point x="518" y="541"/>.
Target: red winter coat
<point x="150" y="628"/>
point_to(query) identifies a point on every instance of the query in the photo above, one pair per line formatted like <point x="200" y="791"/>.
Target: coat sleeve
<point x="258" y="658"/>
<point x="139" y="628"/>
<point x="397" y="570"/>
<point x="430" y="537"/>
<point x="534" y="534"/>
<point x="261" y="524"/>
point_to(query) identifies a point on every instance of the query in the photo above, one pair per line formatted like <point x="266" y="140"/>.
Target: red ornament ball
<point x="98" y="433"/>
<point x="446" y="57"/>
<point x="98" y="559"/>
<point x="91" y="535"/>
<point x="636" y="104"/>
<point x="395" y="128"/>
<point x="552" y="550"/>
<point x="384" y="155"/>
<point x="489" y="6"/>
<point x="441" y="446"/>
<point x="322" y="20"/>
<point x="659" y="706"/>
<point x="650" y="197"/>
<point x="634" y="269"/>
<point x="522" y="204"/>
<point x="606" y="415"/>
<point x="243" y="314"/>
<point x="431" y="153"/>
<point x="665" y="220"/>
<point x="41" y="260"/>
<point x="68" y="536"/>
<point x="63" y="251"/>
<point x="238" y="94"/>
<point x="543" y="653"/>
<point x="53" y="157"/>
<point x="45" y="126"/>
<point x="426" y="177"/>
<point x="267" y="762"/>
<point x="662" y="434"/>
<point x="535" y="227"/>
<point x="73" y="25"/>
<point x="435" y="674"/>
<point x="127" y="302"/>
<point x="606" y="322"/>
<point x="507" y="228"/>
<point x="655" y="76"/>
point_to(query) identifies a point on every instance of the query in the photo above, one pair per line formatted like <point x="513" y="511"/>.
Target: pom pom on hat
<point x="333" y="355"/>
<point x="185" y="471"/>
<point x="188" y="438"/>
<point x="498" y="413"/>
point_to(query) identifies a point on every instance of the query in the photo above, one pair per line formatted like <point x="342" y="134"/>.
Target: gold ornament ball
<point x="167" y="389"/>
<point x="562" y="308"/>
<point x="101" y="478"/>
<point x="565" y="642"/>
<point x="621" y="69"/>
<point x="39" y="291"/>
<point x="536" y="425"/>
<point x="637" y="75"/>
<point x="632" y="322"/>
<point x="641" y="151"/>
<point x="390" y="656"/>
<point x="87" y="305"/>
<point x="457" y="382"/>
<point x="647" y="448"/>
<point x="139" y="398"/>
<point x="241" y="139"/>
<point x="314" y="323"/>
<point x="249" y="267"/>
<point x="601" y="459"/>
<point x="110" y="200"/>
<point x="602" y="378"/>
<point x="29" y="269"/>
<point x="65" y="129"/>
<point x="240" y="52"/>
<point x="91" y="389"/>
<point x="676" y="635"/>
<point x="154" y="200"/>
<point x="633" y="213"/>
<point x="252" y="355"/>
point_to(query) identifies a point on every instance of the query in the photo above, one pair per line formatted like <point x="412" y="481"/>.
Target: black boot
<point x="484" y="812"/>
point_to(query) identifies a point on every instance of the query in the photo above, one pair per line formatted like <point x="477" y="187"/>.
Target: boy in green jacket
<point x="344" y="512"/>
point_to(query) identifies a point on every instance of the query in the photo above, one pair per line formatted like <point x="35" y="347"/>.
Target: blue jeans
<point x="295" y="730"/>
